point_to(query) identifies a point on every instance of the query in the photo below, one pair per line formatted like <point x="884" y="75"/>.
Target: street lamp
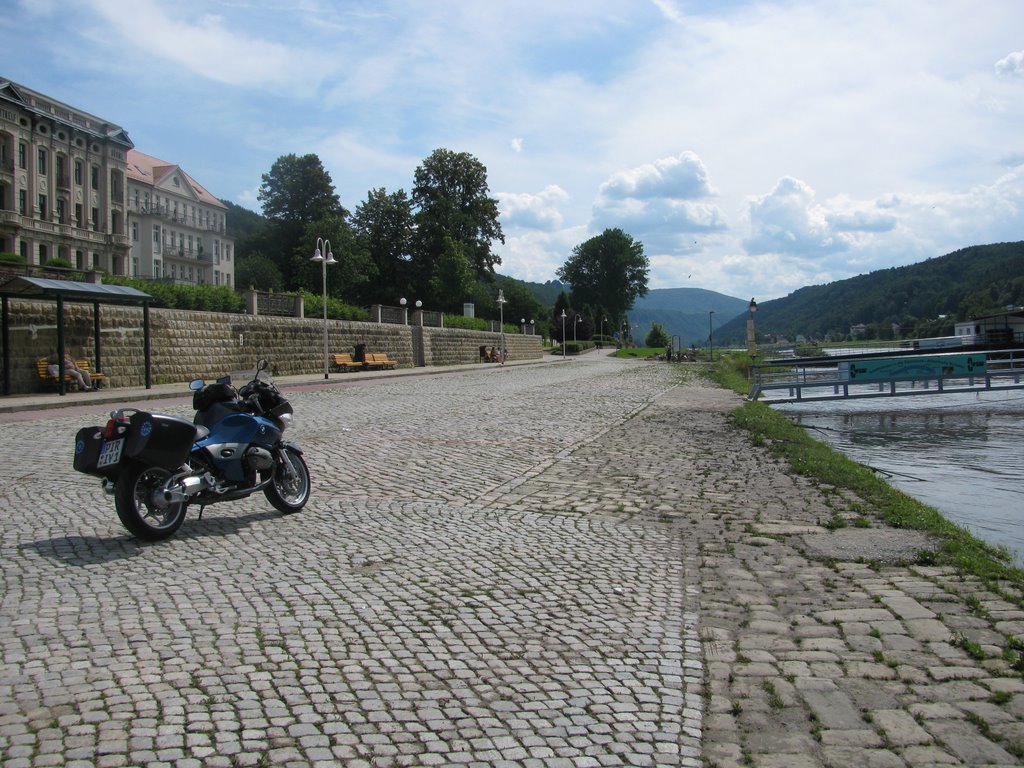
<point x="522" y="325"/>
<point x="405" y="311"/>
<point x="751" y="337"/>
<point x="574" y="324"/>
<point x="531" y="326"/>
<point x="563" y="334"/>
<point x="501" y="316"/>
<point x="325" y="257"/>
<point x="711" y="337"/>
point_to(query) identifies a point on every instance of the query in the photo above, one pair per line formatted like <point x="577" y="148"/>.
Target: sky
<point x="753" y="148"/>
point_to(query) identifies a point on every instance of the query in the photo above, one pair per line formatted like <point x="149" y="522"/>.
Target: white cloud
<point x="533" y="210"/>
<point x="683" y="177"/>
<point x="207" y="45"/>
<point x="517" y="145"/>
<point x="786" y="221"/>
<point x="1012" y="65"/>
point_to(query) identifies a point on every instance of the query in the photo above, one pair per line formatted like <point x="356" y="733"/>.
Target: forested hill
<point x="689" y="313"/>
<point x="925" y="299"/>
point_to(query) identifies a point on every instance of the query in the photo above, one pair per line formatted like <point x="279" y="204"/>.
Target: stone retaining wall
<point x="185" y="345"/>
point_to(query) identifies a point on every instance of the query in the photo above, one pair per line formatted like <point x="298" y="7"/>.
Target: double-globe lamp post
<point x="325" y="257"/>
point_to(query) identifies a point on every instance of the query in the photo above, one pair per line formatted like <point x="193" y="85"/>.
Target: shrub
<point x="12" y="259"/>
<point x="57" y="263"/>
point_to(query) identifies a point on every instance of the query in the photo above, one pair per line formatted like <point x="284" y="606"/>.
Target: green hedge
<point x="203" y="298"/>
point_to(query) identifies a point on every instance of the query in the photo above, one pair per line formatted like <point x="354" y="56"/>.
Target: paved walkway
<point x="571" y="564"/>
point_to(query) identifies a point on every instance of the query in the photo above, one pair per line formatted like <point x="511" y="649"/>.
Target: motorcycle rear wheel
<point x="289" y="490"/>
<point x="133" y="500"/>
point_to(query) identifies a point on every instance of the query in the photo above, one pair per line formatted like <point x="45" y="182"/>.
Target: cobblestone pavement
<point x="578" y="564"/>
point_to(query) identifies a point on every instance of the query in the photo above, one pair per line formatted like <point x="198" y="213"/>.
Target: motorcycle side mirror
<point x="196" y="384"/>
<point x="261" y="365"/>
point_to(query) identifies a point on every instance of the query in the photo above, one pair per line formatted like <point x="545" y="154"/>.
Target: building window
<point x="22" y="156"/>
<point x="78" y="215"/>
<point x="42" y="207"/>
<point x="156" y="234"/>
<point x="41" y="161"/>
<point x="61" y="212"/>
<point x="78" y="172"/>
<point x="95" y="219"/>
<point x="156" y="267"/>
<point x="43" y="254"/>
<point x="94" y="179"/>
<point x="23" y="202"/>
<point x="135" y="233"/>
<point x="135" y="266"/>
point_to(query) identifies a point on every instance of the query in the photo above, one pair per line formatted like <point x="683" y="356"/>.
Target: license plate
<point x="110" y="453"/>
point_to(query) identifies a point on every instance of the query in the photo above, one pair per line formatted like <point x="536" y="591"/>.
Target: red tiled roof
<point x="150" y="170"/>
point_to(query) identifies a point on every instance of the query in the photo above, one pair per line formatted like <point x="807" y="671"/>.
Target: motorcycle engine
<point x="257" y="459"/>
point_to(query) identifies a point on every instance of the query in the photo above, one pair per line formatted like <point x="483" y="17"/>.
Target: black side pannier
<point x="159" y="440"/>
<point x="88" y="443"/>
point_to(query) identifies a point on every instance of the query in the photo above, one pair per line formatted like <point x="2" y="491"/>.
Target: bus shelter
<point x="62" y="291"/>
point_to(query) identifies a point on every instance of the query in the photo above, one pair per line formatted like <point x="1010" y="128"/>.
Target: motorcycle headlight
<point x="286" y="420"/>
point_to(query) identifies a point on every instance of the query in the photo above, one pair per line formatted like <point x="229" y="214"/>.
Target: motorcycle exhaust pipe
<point x="184" y="490"/>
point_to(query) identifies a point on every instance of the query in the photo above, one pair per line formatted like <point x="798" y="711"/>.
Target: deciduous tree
<point x="609" y="270"/>
<point x="450" y="198"/>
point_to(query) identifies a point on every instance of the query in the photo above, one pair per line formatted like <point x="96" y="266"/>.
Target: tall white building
<point x="62" y="183"/>
<point x="177" y="229"/>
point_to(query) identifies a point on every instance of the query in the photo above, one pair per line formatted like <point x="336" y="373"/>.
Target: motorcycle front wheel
<point x="289" y="490"/>
<point x="133" y="500"/>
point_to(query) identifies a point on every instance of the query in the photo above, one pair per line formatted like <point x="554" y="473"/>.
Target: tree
<point x="295" y="193"/>
<point x="384" y="225"/>
<point x="452" y="279"/>
<point x="300" y="190"/>
<point x="656" y="337"/>
<point x="349" y="278"/>
<point x="451" y="199"/>
<point x="257" y="271"/>
<point x="609" y="271"/>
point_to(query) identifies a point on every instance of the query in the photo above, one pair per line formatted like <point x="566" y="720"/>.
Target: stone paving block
<point x="963" y="740"/>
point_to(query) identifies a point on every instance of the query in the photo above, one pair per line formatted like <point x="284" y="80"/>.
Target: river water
<point x="958" y="453"/>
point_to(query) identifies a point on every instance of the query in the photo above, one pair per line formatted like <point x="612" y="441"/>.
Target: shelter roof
<point x="72" y="290"/>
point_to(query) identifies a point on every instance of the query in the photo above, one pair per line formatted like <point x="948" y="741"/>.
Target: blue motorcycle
<point x="156" y="465"/>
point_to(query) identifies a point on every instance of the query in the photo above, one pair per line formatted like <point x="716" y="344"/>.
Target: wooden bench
<point x="346" y="363"/>
<point x="50" y="381"/>
<point x="379" y="360"/>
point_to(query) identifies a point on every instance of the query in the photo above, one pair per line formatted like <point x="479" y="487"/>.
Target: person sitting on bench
<point x="70" y="369"/>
